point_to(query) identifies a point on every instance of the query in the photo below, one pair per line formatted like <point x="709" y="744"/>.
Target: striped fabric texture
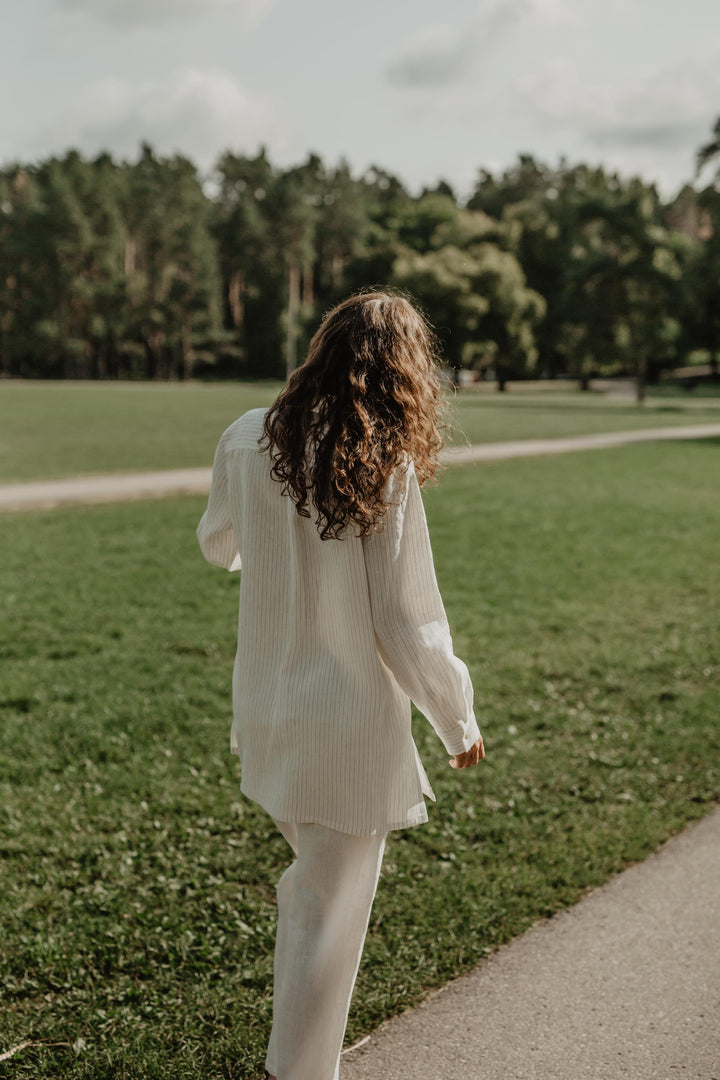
<point x="335" y="638"/>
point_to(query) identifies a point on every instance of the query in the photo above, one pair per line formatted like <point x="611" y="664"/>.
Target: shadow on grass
<point x="712" y="442"/>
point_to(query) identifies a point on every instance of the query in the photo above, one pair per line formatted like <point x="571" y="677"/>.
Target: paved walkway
<point x="104" y="487"/>
<point x="114" y="487"/>
<point x="626" y="984"/>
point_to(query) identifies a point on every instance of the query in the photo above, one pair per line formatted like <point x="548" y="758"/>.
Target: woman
<point x="341" y="625"/>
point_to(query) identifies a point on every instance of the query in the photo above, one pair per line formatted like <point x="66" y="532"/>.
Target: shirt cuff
<point x="467" y="736"/>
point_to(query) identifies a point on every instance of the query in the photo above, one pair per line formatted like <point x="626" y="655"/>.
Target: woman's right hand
<point x="471" y="757"/>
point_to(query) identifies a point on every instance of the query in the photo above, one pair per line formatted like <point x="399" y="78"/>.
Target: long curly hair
<point x="366" y="400"/>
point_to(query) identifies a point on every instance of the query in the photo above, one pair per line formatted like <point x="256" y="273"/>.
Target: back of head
<point x="366" y="399"/>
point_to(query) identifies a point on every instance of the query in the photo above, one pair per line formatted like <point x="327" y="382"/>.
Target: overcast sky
<point x="422" y="88"/>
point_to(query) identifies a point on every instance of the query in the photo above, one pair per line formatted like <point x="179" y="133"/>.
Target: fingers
<point x="470" y="757"/>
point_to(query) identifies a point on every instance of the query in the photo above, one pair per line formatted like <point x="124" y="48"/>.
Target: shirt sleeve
<point x="215" y="532"/>
<point x="411" y="627"/>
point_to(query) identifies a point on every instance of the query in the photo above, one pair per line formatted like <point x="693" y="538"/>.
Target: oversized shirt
<point x="335" y="638"/>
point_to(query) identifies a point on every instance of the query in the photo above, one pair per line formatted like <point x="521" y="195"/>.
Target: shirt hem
<point x="308" y="817"/>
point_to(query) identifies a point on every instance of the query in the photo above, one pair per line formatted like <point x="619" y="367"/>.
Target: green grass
<point x="483" y="417"/>
<point x="67" y="429"/>
<point x="137" y="899"/>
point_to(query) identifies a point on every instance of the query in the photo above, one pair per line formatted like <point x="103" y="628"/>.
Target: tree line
<point x="147" y="270"/>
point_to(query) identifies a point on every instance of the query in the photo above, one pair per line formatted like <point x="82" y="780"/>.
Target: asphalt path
<point x="625" y="984"/>
<point x="119" y="487"/>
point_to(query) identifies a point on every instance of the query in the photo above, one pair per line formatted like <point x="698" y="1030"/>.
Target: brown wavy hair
<point x="366" y="399"/>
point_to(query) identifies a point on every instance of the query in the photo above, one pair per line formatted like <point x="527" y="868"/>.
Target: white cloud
<point x="655" y="110"/>
<point x="650" y="124"/>
<point x="132" y="13"/>
<point x="196" y="112"/>
<point x="436" y="56"/>
<point x="444" y="54"/>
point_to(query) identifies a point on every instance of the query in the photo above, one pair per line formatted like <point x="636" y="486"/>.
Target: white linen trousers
<point x="324" y="903"/>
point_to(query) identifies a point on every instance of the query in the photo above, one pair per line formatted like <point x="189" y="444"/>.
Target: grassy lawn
<point x="66" y="429"/>
<point x="481" y="418"/>
<point x="138" y="890"/>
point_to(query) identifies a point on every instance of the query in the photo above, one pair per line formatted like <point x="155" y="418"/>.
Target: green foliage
<point x="138" y="885"/>
<point x="170" y="264"/>
<point x="106" y="270"/>
<point x="597" y="249"/>
<point x="474" y="290"/>
<point x="701" y="281"/>
<point x="148" y="270"/>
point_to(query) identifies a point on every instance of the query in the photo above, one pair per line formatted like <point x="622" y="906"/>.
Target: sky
<point x="422" y="89"/>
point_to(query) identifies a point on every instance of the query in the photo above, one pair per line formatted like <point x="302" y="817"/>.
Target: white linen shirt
<point x="335" y="637"/>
